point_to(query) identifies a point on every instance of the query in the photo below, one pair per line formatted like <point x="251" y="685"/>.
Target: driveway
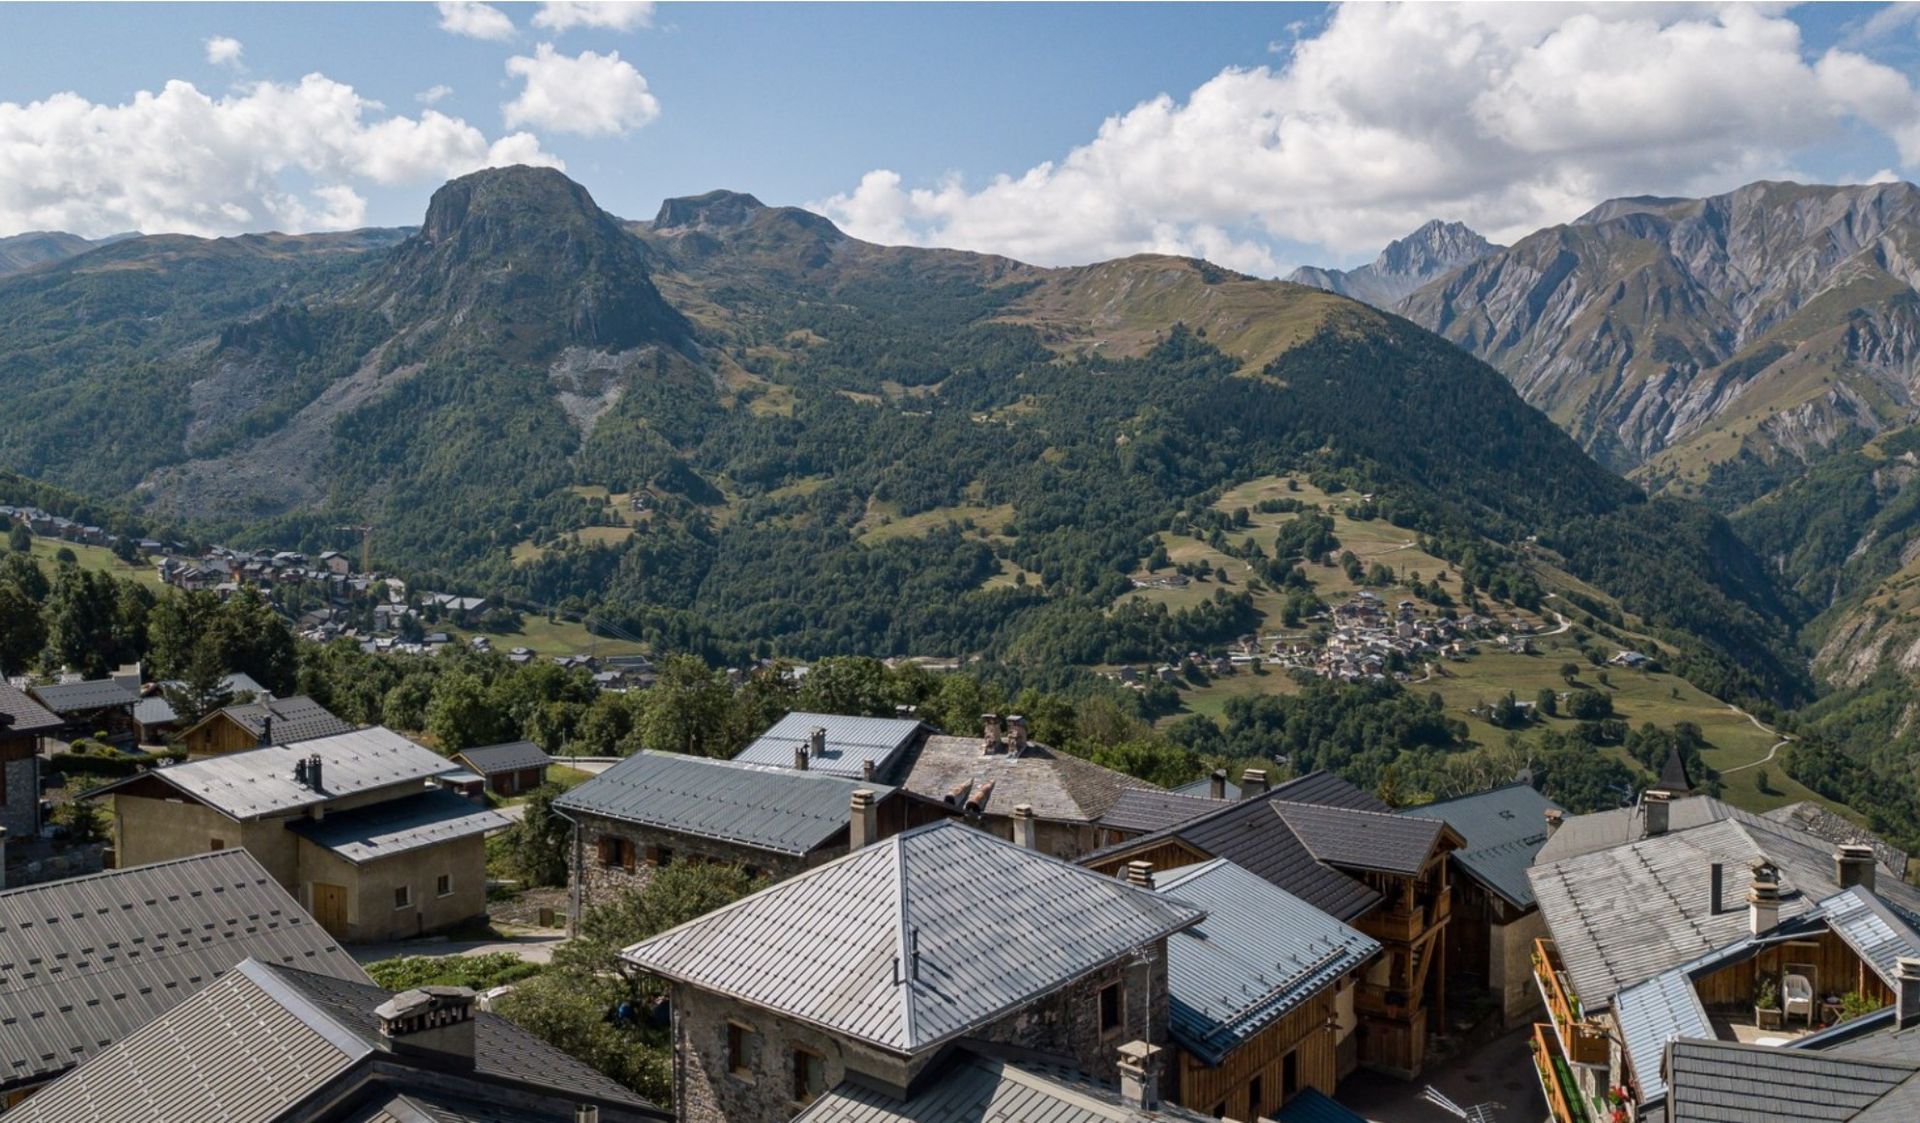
<point x="533" y="947"/>
<point x="1500" y="1072"/>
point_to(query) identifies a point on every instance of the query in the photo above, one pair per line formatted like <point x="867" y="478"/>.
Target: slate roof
<point x="1816" y="820"/>
<point x="85" y="961"/>
<point x="1059" y="786"/>
<point x="28" y="715"/>
<point x="1723" y="1082"/>
<point x="264" y="1043"/>
<point x="1142" y="809"/>
<point x="851" y="742"/>
<point x="382" y="830"/>
<point x="980" y="1084"/>
<point x="994" y="925"/>
<point x="514" y="756"/>
<point x="1673" y="773"/>
<point x="1503" y="829"/>
<point x="1260" y="953"/>
<point x="1365" y="840"/>
<point x="259" y="782"/>
<point x="82" y="697"/>
<point x="298" y="718"/>
<point x="778" y="809"/>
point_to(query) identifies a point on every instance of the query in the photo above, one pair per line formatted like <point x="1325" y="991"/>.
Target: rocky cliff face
<point x="1432" y="251"/>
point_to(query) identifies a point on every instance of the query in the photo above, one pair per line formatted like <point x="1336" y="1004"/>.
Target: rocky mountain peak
<point x="721" y="209"/>
<point x="1407" y="263"/>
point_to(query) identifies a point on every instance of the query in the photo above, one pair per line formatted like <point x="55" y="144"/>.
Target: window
<point x="444" y="886"/>
<point x="809" y="1075"/>
<point x="659" y="855"/>
<point x="402" y="896"/>
<point x="1289" y="1076"/>
<point x="740" y="1050"/>
<point x="1256" y="1102"/>
<point x="616" y="853"/>
<point x="1111" y="1013"/>
<point x="216" y="844"/>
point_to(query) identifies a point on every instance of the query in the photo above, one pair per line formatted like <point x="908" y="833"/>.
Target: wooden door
<point x="330" y="908"/>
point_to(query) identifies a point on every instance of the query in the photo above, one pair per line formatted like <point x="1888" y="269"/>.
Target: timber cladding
<point x="1298" y="1051"/>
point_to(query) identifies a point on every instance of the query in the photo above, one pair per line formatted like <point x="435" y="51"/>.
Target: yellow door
<point x="330" y="908"/>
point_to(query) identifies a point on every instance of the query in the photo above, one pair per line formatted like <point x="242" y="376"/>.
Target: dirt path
<point x="1783" y="742"/>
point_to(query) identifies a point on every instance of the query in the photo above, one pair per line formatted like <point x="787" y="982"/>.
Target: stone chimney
<point x="1253" y="782"/>
<point x="435" y="1022"/>
<point x="800" y="756"/>
<point x="1853" y="865"/>
<point x="991" y="742"/>
<point x="1217" y="784"/>
<point x="1026" y="829"/>
<point x="1906" y="1002"/>
<point x="1763" y="900"/>
<point x="866" y="769"/>
<point x="1555" y="817"/>
<point x="1140" y="1075"/>
<point x="817" y="740"/>
<point x="1140" y="874"/>
<point x="1016" y="734"/>
<point x="1656" y="804"/>
<point x="863" y="820"/>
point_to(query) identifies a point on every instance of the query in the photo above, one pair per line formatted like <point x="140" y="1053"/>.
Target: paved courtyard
<point x="1499" y="1072"/>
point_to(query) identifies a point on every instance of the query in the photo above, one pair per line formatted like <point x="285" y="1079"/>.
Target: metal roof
<point x="80" y="697"/>
<point x="1724" y="1082"/>
<point x="978" y="1085"/>
<point x="1364" y="840"/>
<point x="1203" y="787"/>
<point x="1602" y="830"/>
<point x="851" y="743"/>
<point x="916" y="939"/>
<point x="1058" y="786"/>
<point x="777" y="809"/>
<point x="157" y="709"/>
<point x="1260" y="953"/>
<point x="1143" y="810"/>
<point x="27" y="714"/>
<point x="1652" y="1014"/>
<point x="298" y="718"/>
<point x="1503" y="829"/>
<point x="1311" y="1105"/>
<point x="381" y="830"/>
<point x="84" y="962"/>
<point x="259" y="782"/>
<point x="514" y="756"/>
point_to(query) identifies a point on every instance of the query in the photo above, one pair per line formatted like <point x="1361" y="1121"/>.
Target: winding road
<point x="1777" y="745"/>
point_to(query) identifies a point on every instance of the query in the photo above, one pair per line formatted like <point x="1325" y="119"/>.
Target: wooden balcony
<point x="1404" y="926"/>
<point x="1564" y="1101"/>
<point x="1585" y="1043"/>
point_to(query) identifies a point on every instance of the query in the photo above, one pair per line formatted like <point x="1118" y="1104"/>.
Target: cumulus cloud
<point x="589" y="94"/>
<point x="475" y="20"/>
<point x="433" y="95"/>
<point x="616" y="15"/>
<point x="269" y="156"/>
<point x="1509" y="117"/>
<point x="223" y="50"/>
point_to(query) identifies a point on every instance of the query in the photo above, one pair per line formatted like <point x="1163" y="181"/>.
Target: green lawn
<point x="97" y="558"/>
<point x="546" y="637"/>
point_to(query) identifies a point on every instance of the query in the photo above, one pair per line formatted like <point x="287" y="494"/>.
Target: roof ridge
<point x="268" y="978"/>
<point x="743" y="766"/>
<point x="40" y="886"/>
<point x="904" y="940"/>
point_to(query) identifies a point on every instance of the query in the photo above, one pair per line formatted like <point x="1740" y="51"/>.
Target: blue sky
<point x="1286" y="133"/>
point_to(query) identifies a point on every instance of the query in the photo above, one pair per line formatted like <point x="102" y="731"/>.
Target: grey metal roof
<point x="1723" y="1082"/>
<point x="851" y="743"/>
<point x="1143" y="810"/>
<point x="1364" y="840"/>
<point x="1260" y="953"/>
<point x="1203" y="787"/>
<point x="514" y="756"/>
<point x="84" y="962"/>
<point x="381" y="830"/>
<point x="259" y="782"/>
<point x="1058" y="786"/>
<point x="298" y="718"/>
<point x="1312" y="1105"/>
<point x="28" y="715"/>
<point x="777" y="809"/>
<point x="994" y="925"/>
<point x="81" y="697"/>
<point x="1504" y="829"/>
<point x="978" y="1085"/>
<point x="430" y="1105"/>
<point x="1602" y="830"/>
<point x="156" y="709"/>
<point x="1650" y="1015"/>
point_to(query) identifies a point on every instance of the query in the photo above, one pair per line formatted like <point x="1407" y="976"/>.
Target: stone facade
<point x="20" y="786"/>
<point x="1066" y="1023"/>
<point x="1510" y="967"/>
<point x="612" y="857"/>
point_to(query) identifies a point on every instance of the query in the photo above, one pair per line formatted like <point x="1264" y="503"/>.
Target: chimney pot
<point x="1217" y="784"/>
<point x="1016" y="734"/>
<point x="1657" y="804"/>
<point x="864" y="820"/>
<point x="817" y="740"/>
<point x="866" y="770"/>
<point x="1026" y="831"/>
<point x="800" y="757"/>
<point x="957" y="794"/>
<point x="1907" y="1001"/>
<point x="990" y="724"/>
<point x="586" y="1113"/>
<point x="1853" y="865"/>
<point x="266" y="730"/>
<point x="1763" y="900"/>
<point x="977" y="803"/>
<point x="1140" y="874"/>
<point x="1140" y="1075"/>
<point x="434" y="1021"/>
<point x="1716" y="888"/>
<point x="1555" y="817"/>
<point x="1253" y="782"/>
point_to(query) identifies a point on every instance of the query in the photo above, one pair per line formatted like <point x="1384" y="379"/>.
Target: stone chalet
<point x="939" y="968"/>
<point x="24" y="723"/>
<point x="351" y="825"/>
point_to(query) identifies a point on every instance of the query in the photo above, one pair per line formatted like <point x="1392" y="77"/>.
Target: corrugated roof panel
<point x="851" y="743"/>
<point x="1650" y="1015"/>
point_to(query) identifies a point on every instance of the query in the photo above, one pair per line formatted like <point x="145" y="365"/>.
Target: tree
<point x="202" y="689"/>
<point x="252" y="638"/>
<point x="537" y="848"/>
<point x="23" y="632"/>
<point x="83" y="617"/>
<point x="20" y="539"/>
<point x="461" y="715"/>
<point x="1547" y="701"/>
<point x="177" y="628"/>
<point x="1589" y="705"/>
<point x="687" y="710"/>
<point x="1569" y="672"/>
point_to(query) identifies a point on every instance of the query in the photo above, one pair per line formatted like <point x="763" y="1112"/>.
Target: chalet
<point x="265" y="721"/>
<point x="350" y="825"/>
<point x="1495" y="917"/>
<point x="153" y="715"/>
<point x="1345" y="853"/>
<point x="510" y="769"/>
<point x="129" y="945"/>
<point x="268" y="1043"/>
<point x="1686" y="920"/>
<point x="333" y="561"/>
<point x="939" y="974"/>
<point x="24" y="723"/>
<point x="92" y="708"/>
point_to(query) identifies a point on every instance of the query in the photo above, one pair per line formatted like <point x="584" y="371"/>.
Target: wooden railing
<point x="1563" y="1102"/>
<point x="1586" y="1043"/>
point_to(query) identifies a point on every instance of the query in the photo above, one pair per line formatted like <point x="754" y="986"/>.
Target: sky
<point x="1258" y="136"/>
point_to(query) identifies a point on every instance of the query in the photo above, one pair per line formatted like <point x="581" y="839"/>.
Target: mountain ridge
<point x="1433" y="250"/>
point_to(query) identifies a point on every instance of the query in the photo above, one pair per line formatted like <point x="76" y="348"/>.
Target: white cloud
<point x="1508" y="117"/>
<point x="589" y="94"/>
<point x="223" y="50"/>
<point x="475" y="20"/>
<point x="617" y="15"/>
<point x="269" y="156"/>
<point x="433" y="95"/>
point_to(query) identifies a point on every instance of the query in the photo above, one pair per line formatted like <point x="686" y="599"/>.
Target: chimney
<point x="1016" y="734"/>
<point x="300" y="773"/>
<point x="1716" y="888"/>
<point x="1906" y="1002"/>
<point x="1853" y="865"/>
<point x="1140" y="874"/>
<point x="432" y="1022"/>
<point x="1025" y="827"/>
<point x="266" y="730"/>
<point x="991" y="724"/>
<point x="1140" y="1075"/>
<point x="864" y="820"/>
<point x="817" y="740"/>
<point x="1217" y="784"/>
<point x="313" y="773"/>
<point x="1763" y="900"/>
<point x="977" y="803"/>
<point x="800" y="757"/>
<point x="586" y="1113"/>
<point x="866" y="769"/>
<point x="1253" y="782"/>
<point x="1555" y="817"/>
<point x="1657" y="804"/>
<point x="3" y="857"/>
<point x="957" y="794"/>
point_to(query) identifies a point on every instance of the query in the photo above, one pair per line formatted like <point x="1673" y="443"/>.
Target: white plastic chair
<point x="1797" y="995"/>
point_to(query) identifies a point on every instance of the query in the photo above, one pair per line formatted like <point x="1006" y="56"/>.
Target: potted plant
<point x="1766" y="1004"/>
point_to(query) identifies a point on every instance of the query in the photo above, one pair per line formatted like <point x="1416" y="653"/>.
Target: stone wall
<point x="596" y="883"/>
<point x="1510" y="967"/>
<point x="20" y="814"/>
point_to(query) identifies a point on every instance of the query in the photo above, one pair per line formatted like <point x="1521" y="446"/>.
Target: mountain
<point x="739" y="430"/>
<point x="1434" y="250"/>
<point x="24" y="251"/>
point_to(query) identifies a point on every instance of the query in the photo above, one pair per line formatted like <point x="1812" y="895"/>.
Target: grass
<point x="96" y="559"/>
<point x="567" y="777"/>
<point x="549" y="637"/>
<point x="881" y="525"/>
